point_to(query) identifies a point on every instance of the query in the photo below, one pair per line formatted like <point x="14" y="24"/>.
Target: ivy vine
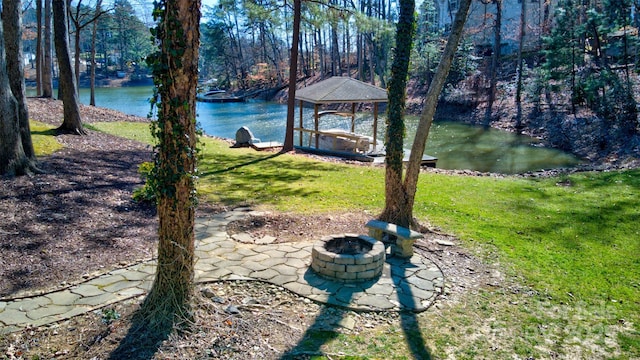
<point x="171" y="138"/>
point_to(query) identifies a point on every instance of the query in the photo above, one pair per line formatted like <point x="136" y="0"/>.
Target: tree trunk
<point x="336" y="69"/>
<point x="431" y="101"/>
<point x="94" y="35"/>
<point x="12" y="22"/>
<point x="321" y="51"/>
<point x="39" y="47"/>
<point x="372" y="57"/>
<point x="293" y="71"/>
<point x="47" y="59"/>
<point x="243" y="70"/>
<point x="495" y="61"/>
<point x="395" y="197"/>
<point x="14" y="160"/>
<point x="175" y="68"/>
<point x="76" y="47"/>
<point x="520" y="68"/>
<point x="72" y="122"/>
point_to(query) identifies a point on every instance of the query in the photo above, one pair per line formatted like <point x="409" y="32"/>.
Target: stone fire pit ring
<point x="348" y="267"/>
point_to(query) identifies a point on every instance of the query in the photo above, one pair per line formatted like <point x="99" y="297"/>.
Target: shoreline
<point x="50" y="111"/>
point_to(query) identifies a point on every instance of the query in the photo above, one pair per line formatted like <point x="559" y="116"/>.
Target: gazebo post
<point x="315" y="118"/>
<point x="301" y="124"/>
<point x="353" y="117"/>
<point x="375" y="125"/>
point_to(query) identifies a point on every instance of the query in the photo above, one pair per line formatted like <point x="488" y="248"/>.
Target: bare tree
<point x="293" y="75"/>
<point x="94" y="35"/>
<point x="520" y="67"/>
<point x="47" y="58"/>
<point x="81" y="18"/>
<point x="39" y="47"/>
<point x="72" y="122"/>
<point x="495" y="61"/>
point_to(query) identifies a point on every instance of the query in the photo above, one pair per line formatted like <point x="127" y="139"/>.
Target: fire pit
<point x="348" y="257"/>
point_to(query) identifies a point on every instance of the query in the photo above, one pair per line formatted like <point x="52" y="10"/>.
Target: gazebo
<point x="339" y="90"/>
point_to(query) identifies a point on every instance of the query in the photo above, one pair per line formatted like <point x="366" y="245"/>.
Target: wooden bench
<point x="400" y="238"/>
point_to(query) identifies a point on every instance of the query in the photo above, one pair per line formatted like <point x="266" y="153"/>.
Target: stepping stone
<point x="265" y="240"/>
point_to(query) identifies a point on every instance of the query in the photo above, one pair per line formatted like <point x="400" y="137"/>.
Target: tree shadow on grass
<point x="248" y="162"/>
<point x="326" y="326"/>
<point x="263" y="179"/>
<point x="47" y="132"/>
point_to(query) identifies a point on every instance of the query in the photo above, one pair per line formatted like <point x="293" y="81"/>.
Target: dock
<point x="427" y="160"/>
<point x="266" y="145"/>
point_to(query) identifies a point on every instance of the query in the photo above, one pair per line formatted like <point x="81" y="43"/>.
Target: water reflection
<point x="457" y="146"/>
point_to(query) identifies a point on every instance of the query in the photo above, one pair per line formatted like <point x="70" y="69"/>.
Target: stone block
<point x="369" y="274"/>
<point x="363" y="258"/>
<point x="373" y="266"/>
<point x="357" y="268"/>
<point x="336" y="267"/>
<point x="344" y="259"/>
<point x="345" y="275"/>
<point x="404" y="248"/>
<point x="319" y="263"/>
<point x="322" y="254"/>
<point x="327" y="272"/>
<point x="317" y="267"/>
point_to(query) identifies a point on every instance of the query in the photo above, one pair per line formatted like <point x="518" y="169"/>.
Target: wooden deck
<point x="266" y="145"/>
<point x="427" y="160"/>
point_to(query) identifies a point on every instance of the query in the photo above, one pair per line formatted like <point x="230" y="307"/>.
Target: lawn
<point x="42" y="137"/>
<point x="568" y="244"/>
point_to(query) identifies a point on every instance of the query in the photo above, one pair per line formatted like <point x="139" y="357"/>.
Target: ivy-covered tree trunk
<point x="72" y="122"/>
<point x="395" y="210"/>
<point x="175" y="70"/>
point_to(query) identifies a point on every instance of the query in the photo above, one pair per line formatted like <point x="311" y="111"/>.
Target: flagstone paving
<point x="405" y="284"/>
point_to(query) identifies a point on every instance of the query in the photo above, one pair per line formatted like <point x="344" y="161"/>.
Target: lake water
<point x="456" y="146"/>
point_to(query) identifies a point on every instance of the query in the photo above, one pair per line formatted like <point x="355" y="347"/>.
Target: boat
<point x="218" y="96"/>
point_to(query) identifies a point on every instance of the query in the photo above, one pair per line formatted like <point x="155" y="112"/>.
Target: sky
<point x="144" y="8"/>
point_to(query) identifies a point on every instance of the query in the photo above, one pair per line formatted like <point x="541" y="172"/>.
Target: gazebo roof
<point x="339" y="89"/>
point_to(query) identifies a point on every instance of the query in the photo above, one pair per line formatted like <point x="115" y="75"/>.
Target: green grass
<point x="43" y="138"/>
<point x="130" y="130"/>
<point x="572" y="241"/>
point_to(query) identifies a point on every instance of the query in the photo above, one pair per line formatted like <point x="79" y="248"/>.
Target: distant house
<point x="28" y="58"/>
<point x="481" y="19"/>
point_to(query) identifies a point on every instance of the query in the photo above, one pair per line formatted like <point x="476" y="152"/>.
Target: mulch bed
<point x="78" y="216"/>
